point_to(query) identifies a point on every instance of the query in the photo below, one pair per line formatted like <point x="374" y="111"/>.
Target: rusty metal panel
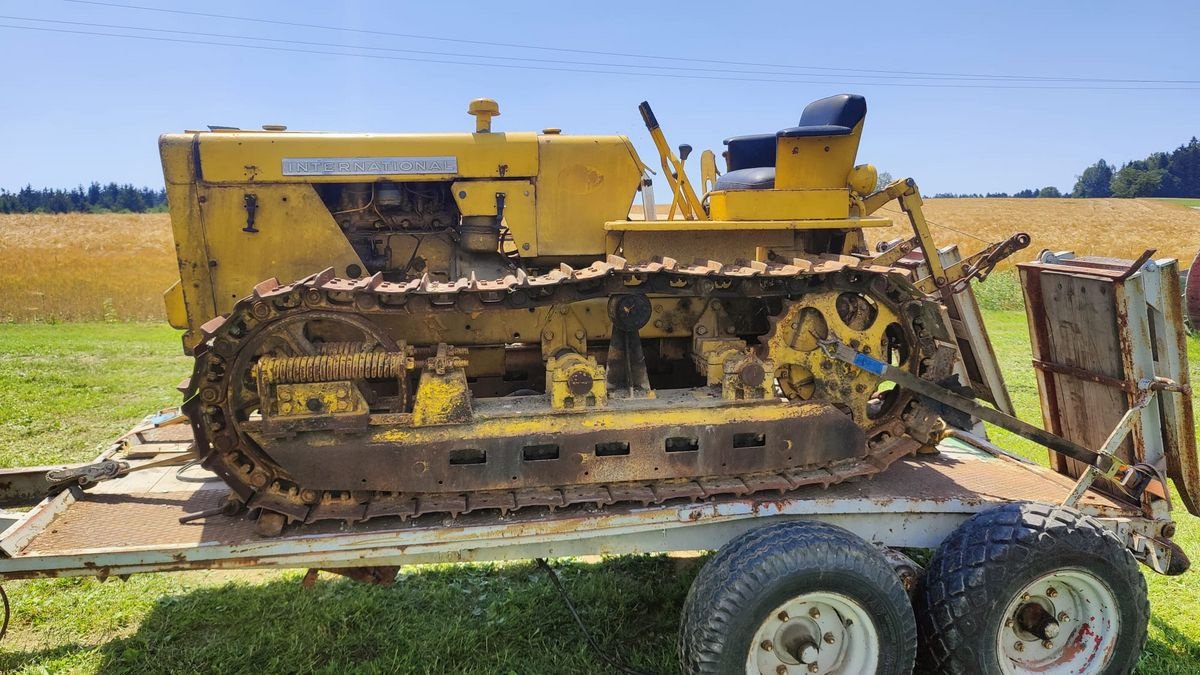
<point x="977" y="363"/>
<point x="1099" y="327"/>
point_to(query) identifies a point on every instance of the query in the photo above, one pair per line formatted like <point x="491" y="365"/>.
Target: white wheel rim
<point x="815" y="632"/>
<point x="1063" y="622"/>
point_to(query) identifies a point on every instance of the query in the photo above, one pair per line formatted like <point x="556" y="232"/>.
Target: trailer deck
<point x="131" y="524"/>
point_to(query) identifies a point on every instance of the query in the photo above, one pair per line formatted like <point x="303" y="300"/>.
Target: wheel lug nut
<point x="814" y="613"/>
<point x="1052" y="592"/>
<point x="1062" y="616"/>
<point x="1047" y="644"/>
<point x="783" y="616"/>
<point x="812" y="668"/>
<point x="781" y="669"/>
<point x="1024" y="596"/>
<point x="766" y="645"/>
<point x="828" y="638"/>
<point x="1019" y="646"/>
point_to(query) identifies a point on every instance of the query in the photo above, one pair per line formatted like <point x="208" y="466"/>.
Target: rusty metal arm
<point x="1133" y="479"/>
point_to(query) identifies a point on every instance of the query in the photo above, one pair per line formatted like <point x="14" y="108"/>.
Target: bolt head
<point x="766" y="645"/>
<point x="1052" y="592"/>
<point x="814" y="613"/>
<point x="781" y="669"/>
<point x="812" y="668"/>
<point x="828" y="638"/>
<point x="1062" y="617"/>
<point x="783" y="616"/>
<point x="1047" y="644"/>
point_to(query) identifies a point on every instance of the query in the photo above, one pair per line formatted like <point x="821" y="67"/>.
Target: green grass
<point x="66" y="390"/>
<point x="1183" y="202"/>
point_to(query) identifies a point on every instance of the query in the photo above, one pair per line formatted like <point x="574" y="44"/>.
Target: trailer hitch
<point x="1133" y="479"/>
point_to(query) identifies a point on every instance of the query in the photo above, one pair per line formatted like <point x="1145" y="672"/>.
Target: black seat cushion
<point x="756" y="178"/>
<point x="747" y="152"/>
<point x="830" y="116"/>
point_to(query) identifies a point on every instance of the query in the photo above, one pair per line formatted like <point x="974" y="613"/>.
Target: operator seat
<point x="751" y="159"/>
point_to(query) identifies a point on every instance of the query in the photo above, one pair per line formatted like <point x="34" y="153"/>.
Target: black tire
<point x="979" y="570"/>
<point x="754" y="574"/>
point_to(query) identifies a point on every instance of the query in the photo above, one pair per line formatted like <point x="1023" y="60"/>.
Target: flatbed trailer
<point x="131" y="524"/>
<point x="1034" y="567"/>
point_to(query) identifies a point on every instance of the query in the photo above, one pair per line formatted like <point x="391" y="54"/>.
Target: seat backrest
<point x="820" y="153"/>
<point x="843" y="110"/>
<point x="750" y="152"/>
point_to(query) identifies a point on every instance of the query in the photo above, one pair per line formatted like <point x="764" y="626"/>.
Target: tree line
<point x="1162" y="174"/>
<point x="95" y="198"/>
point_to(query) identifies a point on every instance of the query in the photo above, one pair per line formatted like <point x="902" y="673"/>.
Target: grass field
<point x="77" y="385"/>
<point x="80" y="267"/>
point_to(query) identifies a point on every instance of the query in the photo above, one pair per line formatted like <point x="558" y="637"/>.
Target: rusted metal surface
<point x="140" y="531"/>
<point x="1102" y="329"/>
<point x="392" y="464"/>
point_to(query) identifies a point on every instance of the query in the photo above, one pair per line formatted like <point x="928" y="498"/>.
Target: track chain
<point x="262" y="484"/>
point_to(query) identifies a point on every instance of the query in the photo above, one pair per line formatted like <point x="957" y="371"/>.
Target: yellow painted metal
<point x="905" y="191"/>
<point x="483" y="109"/>
<point x="711" y="353"/>
<point x="724" y="244"/>
<point x="863" y="179"/>
<point x="746" y="226"/>
<point x="574" y="381"/>
<point x="257" y="157"/>
<point x="443" y="395"/>
<point x="781" y="205"/>
<point x="567" y="327"/>
<point x="478" y="198"/>
<point x="612" y="419"/>
<point x="176" y="310"/>
<point x="708" y="171"/>
<point x="748" y="378"/>
<point x="584" y="181"/>
<point x="318" y="398"/>
<point x="803" y="369"/>
<point x="816" y="161"/>
<point x="684" y="199"/>
<point x="296" y="237"/>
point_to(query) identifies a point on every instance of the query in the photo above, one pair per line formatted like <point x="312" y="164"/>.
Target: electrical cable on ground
<point x="611" y="660"/>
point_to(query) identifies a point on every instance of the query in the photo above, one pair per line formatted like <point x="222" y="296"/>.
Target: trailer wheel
<point x="1032" y="588"/>
<point x="797" y="597"/>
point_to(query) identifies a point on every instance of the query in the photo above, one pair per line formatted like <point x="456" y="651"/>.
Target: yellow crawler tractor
<point x="486" y="320"/>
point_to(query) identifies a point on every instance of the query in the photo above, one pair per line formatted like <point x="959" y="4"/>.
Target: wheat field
<point x="77" y="267"/>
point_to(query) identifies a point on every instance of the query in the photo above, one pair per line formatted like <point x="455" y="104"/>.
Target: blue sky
<point x="83" y="107"/>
